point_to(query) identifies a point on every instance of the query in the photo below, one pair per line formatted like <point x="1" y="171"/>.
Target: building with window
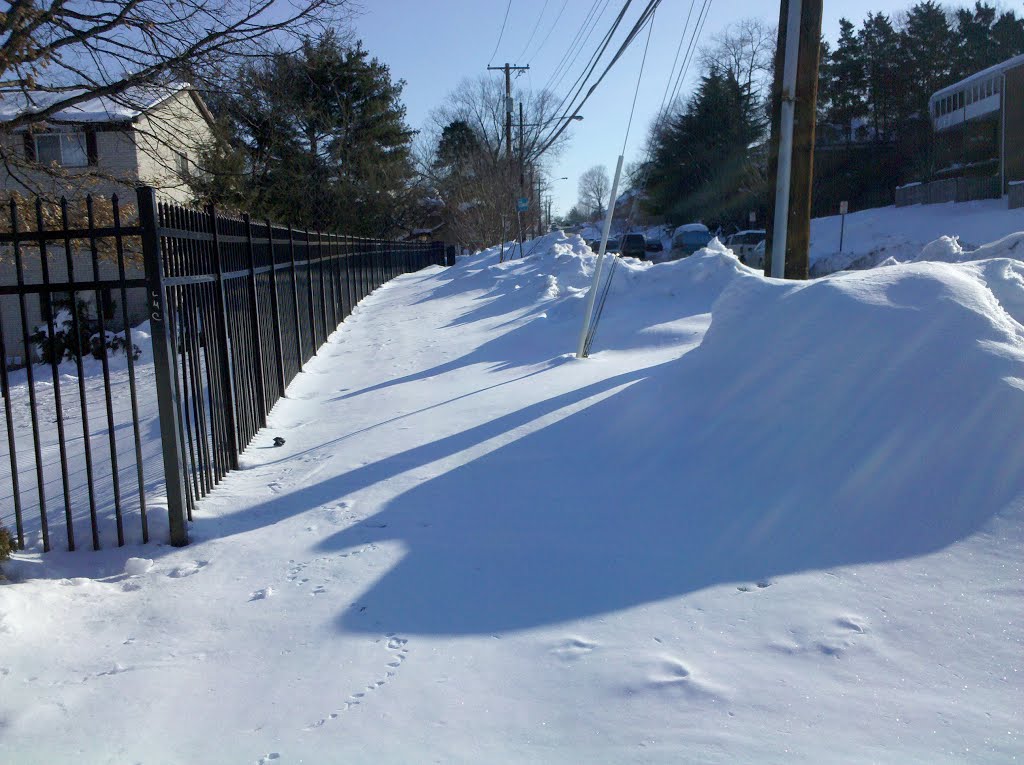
<point x="147" y="135"/>
<point x="104" y="145"/>
<point x="979" y="124"/>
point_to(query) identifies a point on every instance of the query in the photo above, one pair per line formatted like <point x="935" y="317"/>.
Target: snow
<point x="688" y="227"/>
<point x="766" y="521"/>
<point x="872" y="236"/>
<point x="121" y="108"/>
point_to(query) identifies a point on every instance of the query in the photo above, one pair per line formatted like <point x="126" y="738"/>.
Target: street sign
<point x="844" y="207"/>
<point x="522" y="204"/>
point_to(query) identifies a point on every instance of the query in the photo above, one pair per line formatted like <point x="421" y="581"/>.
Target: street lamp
<point x="576" y="117"/>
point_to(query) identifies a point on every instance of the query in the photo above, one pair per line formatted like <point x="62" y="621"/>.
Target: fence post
<point x="276" y="310"/>
<point x="166" y="381"/>
<point x="230" y="401"/>
<point x="254" y="299"/>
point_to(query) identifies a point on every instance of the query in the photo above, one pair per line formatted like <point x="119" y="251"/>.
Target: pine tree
<point x="883" y="78"/>
<point x="846" y="81"/>
<point x="324" y="137"/>
<point x="1008" y="36"/>
<point x="702" y="165"/>
<point x="927" y="55"/>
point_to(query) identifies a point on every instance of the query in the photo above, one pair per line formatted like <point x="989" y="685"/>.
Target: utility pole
<point x="791" y="162"/>
<point x="508" y="69"/>
<point x="508" y="101"/>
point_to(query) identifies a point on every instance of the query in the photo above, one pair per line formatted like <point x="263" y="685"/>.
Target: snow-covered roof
<point x="984" y="74"/>
<point x="124" y="107"/>
<point x="686" y="227"/>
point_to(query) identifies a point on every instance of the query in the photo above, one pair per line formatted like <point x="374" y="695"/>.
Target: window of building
<point x="67" y="149"/>
<point x="181" y="164"/>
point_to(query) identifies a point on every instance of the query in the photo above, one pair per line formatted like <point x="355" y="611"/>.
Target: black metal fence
<point x="107" y="422"/>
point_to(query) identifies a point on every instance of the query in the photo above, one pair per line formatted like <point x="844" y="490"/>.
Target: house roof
<point x="127" y="106"/>
<point x="984" y="74"/>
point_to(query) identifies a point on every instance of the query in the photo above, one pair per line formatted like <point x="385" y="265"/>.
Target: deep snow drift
<point x="764" y="522"/>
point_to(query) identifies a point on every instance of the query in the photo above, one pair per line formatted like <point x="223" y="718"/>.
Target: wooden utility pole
<point x="804" y="98"/>
<point x="508" y="101"/>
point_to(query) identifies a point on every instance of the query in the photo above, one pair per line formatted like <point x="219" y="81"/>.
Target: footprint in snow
<point x="761" y="585"/>
<point x="263" y="594"/>
<point x="188" y="569"/>
<point x="573" y="648"/>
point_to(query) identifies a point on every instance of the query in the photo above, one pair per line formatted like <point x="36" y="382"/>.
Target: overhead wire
<point x="551" y="29"/>
<point x="580" y="39"/>
<point x="501" y="34"/>
<point x="594" y="59"/>
<point x="534" y="32"/>
<point x="571" y="112"/>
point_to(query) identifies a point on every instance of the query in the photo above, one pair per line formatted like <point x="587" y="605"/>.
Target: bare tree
<point x="593" y="189"/>
<point x="747" y="48"/>
<point x="56" y="55"/>
<point x="477" y="186"/>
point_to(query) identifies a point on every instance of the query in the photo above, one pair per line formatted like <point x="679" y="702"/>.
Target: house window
<point x="67" y="149"/>
<point x="181" y="164"/>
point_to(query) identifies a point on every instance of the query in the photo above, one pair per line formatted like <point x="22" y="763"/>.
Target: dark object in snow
<point x="278" y="441"/>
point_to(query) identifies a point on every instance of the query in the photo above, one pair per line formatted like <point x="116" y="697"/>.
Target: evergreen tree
<point x="702" y="165"/>
<point x="883" y="79"/>
<point x="974" y="50"/>
<point x="1007" y="35"/>
<point x="846" y="81"/>
<point x="324" y="138"/>
<point x="927" y="54"/>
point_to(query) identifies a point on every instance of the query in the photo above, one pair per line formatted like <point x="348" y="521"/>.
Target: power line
<point x="631" y="35"/>
<point x="588" y="70"/>
<point x="535" y="28"/>
<point x="571" y="48"/>
<point x="550" y="30"/>
<point x="501" y="33"/>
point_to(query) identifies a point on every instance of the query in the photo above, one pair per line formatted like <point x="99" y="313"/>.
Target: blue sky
<point x="433" y="45"/>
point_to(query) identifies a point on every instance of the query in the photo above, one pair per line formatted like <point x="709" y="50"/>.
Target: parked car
<point x="743" y="243"/>
<point x="689" y="238"/>
<point x="755" y="259"/>
<point x="655" y="245"/>
<point x="613" y="245"/>
<point x="634" y="246"/>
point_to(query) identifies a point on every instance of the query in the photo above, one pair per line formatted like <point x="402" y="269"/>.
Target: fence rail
<point x="227" y="310"/>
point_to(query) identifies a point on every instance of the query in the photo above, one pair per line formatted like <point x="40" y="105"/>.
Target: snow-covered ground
<point x="764" y="522"/>
<point x="874" y="236"/>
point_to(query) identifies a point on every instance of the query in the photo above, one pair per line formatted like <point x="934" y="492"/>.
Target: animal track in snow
<point x="572" y="648"/>
<point x="399" y="651"/>
<point x="669" y="675"/>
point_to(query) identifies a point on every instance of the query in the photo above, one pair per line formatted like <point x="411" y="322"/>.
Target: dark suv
<point x="634" y="246"/>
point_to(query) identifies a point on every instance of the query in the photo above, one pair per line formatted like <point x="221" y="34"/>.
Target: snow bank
<point x="874" y="236"/>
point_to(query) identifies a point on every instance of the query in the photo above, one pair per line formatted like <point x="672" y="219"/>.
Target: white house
<point x="104" y="145"/>
<point x="148" y="135"/>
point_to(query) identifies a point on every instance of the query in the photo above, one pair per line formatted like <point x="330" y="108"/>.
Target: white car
<point x="745" y="244"/>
